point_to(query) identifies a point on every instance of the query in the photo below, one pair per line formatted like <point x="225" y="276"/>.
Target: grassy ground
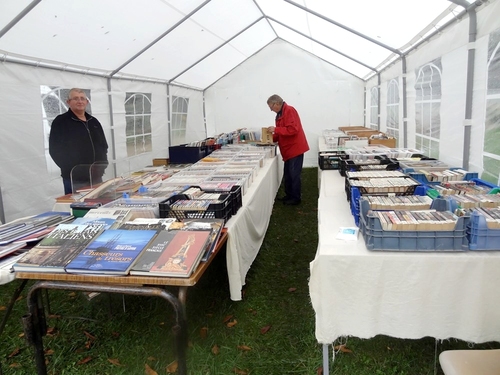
<point x="270" y="332"/>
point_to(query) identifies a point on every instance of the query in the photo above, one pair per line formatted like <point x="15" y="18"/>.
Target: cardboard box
<point x="267" y="136"/>
<point x="390" y="142"/>
<point x="160" y="161"/>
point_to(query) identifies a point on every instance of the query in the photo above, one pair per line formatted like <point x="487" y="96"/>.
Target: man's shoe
<point x="291" y="202"/>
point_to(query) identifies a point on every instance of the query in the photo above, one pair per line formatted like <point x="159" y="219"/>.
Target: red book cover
<point x="182" y="255"/>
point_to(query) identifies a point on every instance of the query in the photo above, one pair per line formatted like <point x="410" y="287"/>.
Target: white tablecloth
<point x="246" y="230"/>
<point x="361" y="293"/>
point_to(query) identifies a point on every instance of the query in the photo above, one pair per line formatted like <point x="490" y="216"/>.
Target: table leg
<point x="15" y="296"/>
<point x="326" y="360"/>
<point x="35" y="321"/>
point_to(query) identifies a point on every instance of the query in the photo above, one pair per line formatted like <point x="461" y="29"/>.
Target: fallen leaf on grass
<point x="114" y="361"/>
<point x="51" y="331"/>
<point x="265" y="329"/>
<point x="295" y="240"/>
<point x="89" y="335"/>
<point x="232" y="323"/>
<point x="172" y="367"/>
<point x="342" y="348"/>
<point x="53" y="316"/>
<point x="115" y="334"/>
<point x="88" y="344"/>
<point x="15" y="352"/>
<point x="215" y="349"/>
<point x="71" y="294"/>
<point x="240" y="372"/>
<point x="149" y="371"/>
<point x="151" y="359"/>
<point x="85" y="360"/>
<point x="3" y="308"/>
<point x="244" y="348"/>
<point x="319" y="371"/>
<point x="21" y="335"/>
<point x="292" y="289"/>
<point x="203" y="332"/>
<point x="227" y="318"/>
<point x="48" y="352"/>
<point x="15" y="365"/>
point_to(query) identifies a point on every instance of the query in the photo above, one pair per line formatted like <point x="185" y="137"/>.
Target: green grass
<point x="276" y="295"/>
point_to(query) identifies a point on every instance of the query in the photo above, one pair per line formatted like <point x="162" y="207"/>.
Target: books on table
<point x="213" y="225"/>
<point x="112" y="252"/>
<point x="176" y="253"/>
<point x="57" y="249"/>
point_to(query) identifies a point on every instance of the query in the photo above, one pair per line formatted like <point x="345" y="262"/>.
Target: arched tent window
<point x="53" y="101"/>
<point x="491" y="148"/>
<point x="138" y="120"/>
<point x="392" y="121"/>
<point x="374" y="108"/>
<point x="427" y="107"/>
<point x="179" y="119"/>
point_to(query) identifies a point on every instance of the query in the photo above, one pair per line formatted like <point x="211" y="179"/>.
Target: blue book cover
<point x="106" y="221"/>
<point x="112" y="252"/>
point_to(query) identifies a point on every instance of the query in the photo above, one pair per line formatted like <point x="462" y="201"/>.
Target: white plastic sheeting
<point x="195" y="42"/>
<point x="227" y="57"/>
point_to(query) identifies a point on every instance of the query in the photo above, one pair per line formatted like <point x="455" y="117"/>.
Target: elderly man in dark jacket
<point x="77" y="140"/>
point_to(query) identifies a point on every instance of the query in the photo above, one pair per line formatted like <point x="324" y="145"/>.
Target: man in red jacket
<point x="289" y="135"/>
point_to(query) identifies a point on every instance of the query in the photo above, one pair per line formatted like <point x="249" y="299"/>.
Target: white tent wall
<point x="451" y="48"/>
<point x="27" y="185"/>
<point x="29" y="180"/>
<point x="159" y="124"/>
<point x="325" y="96"/>
<point x="195" y="126"/>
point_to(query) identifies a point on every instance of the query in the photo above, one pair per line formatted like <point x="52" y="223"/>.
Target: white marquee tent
<point x="425" y="71"/>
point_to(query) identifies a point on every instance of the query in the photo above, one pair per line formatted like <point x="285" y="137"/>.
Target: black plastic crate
<point x="396" y="190"/>
<point x="328" y="160"/>
<point x="219" y="210"/>
<point x="234" y="192"/>
<point x="347" y="164"/>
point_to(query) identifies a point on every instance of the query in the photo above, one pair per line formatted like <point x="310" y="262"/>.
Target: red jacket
<point x="289" y="133"/>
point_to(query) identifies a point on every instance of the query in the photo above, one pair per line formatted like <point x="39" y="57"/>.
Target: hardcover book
<point x="152" y="253"/>
<point x="113" y="252"/>
<point x="56" y="250"/>
<point x="182" y="255"/>
<point x="213" y="225"/>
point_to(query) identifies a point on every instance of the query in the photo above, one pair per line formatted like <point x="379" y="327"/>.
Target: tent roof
<point x="194" y="42"/>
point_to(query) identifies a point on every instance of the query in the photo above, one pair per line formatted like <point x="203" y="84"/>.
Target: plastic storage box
<point x="219" y="210"/>
<point x="328" y="160"/>
<point x="480" y="236"/>
<point x="184" y="154"/>
<point x="379" y="239"/>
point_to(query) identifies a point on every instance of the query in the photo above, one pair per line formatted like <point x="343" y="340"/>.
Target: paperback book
<point x="182" y="255"/>
<point x="112" y="253"/>
<point x="56" y="250"/>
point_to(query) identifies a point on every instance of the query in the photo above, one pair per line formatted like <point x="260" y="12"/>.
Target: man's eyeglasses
<point x="78" y="99"/>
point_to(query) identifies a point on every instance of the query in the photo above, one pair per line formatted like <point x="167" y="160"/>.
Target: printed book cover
<point x="113" y="252"/>
<point x="153" y="251"/>
<point x="182" y="255"/>
<point x="213" y="225"/>
<point x="53" y="252"/>
<point x="106" y="221"/>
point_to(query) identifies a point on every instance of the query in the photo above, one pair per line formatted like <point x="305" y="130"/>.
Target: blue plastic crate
<point x="420" y="177"/>
<point x="378" y="239"/>
<point x="480" y="236"/>
<point x="185" y="154"/>
<point x="355" y="195"/>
